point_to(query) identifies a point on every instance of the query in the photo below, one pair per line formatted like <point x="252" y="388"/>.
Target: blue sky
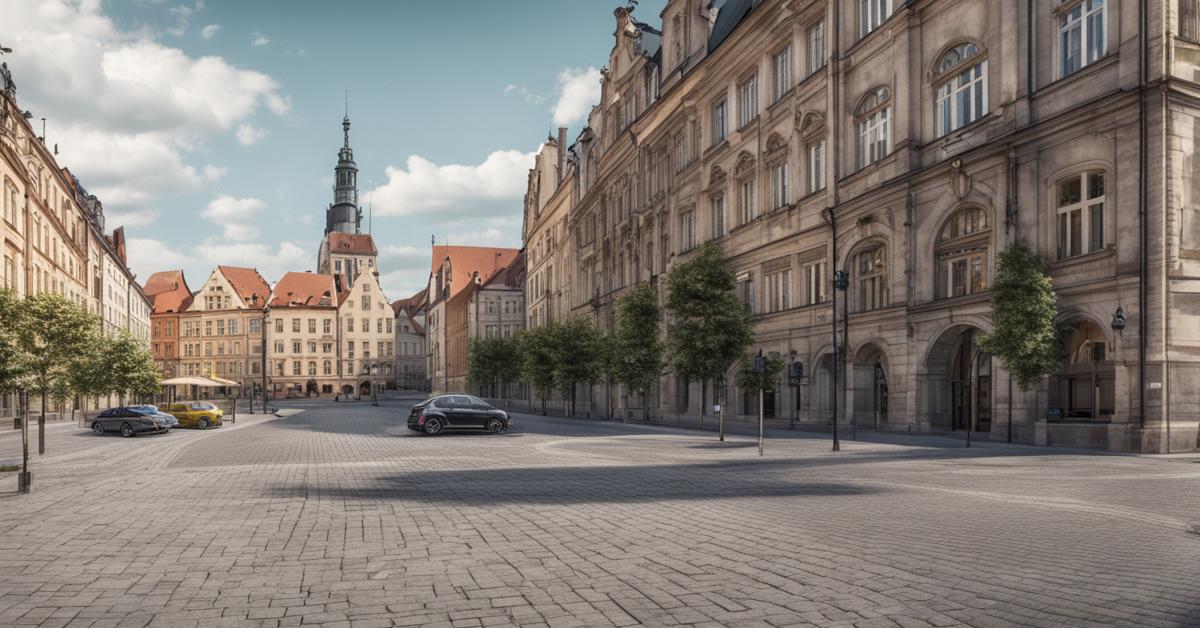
<point x="210" y="128"/>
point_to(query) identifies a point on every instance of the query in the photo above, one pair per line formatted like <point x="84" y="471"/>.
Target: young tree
<point x="1026" y="338"/>
<point x="538" y="361"/>
<point x="747" y="378"/>
<point x="708" y="326"/>
<point x="132" y="367"/>
<point x="481" y="362"/>
<point x="508" y="360"/>
<point x="54" y="335"/>
<point x="11" y="359"/>
<point x="578" y="348"/>
<point x="634" y="350"/>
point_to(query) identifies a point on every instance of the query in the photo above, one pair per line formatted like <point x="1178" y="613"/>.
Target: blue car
<point x="156" y="414"/>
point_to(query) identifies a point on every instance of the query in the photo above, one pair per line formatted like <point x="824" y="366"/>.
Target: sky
<point x="209" y="129"/>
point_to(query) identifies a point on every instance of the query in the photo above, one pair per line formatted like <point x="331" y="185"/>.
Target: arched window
<point x="962" y="88"/>
<point x="874" y="117"/>
<point x="871" y="278"/>
<point x="1080" y="200"/>
<point x="962" y="253"/>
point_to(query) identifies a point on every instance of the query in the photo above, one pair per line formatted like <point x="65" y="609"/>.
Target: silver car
<point x="127" y="422"/>
<point x="153" y="411"/>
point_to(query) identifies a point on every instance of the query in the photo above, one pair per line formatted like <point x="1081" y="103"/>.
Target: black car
<point x="128" y="422"/>
<point x="457" y="412"/>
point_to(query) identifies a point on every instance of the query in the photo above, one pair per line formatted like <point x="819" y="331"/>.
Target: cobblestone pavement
<point x="340" y="516"/>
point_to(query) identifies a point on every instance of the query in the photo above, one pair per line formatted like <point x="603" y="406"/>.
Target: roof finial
<point x="346" y="122"/>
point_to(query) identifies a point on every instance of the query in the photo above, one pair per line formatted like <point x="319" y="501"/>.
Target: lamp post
<point x="265" y="320"/>
<point x="841" y="281"/>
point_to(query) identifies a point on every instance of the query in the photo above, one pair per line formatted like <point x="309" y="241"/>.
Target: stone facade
<point x="411" y="346"/>
<point x="549" y="265"/>
<point x="52" y="235"/>
<point x="906" y="144"/>
<point x="221" y="329"/>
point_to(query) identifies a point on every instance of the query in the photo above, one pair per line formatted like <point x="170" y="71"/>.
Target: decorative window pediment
<point x="745" y="165"/>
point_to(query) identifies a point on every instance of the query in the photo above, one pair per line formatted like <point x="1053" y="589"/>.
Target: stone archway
<point x="364" y="388"/>
<point x="347" y="390"/>
<point x="819" y="393"/>
<point x="868" y="378"/>
<point x="311" y="388"/>
<point x="957" y="387"/>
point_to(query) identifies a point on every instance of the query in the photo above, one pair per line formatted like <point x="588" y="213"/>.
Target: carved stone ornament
<point x="960" y="181"/>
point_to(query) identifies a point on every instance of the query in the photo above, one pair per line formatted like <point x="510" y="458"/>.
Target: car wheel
<point x="202" y="424"/>
<point x="98" y="428"/>
<point x="433" y="426"/>
<point x="126" y="430"/>
<point x="495" y="425"/>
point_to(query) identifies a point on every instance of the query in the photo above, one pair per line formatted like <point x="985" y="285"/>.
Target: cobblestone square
<point x="340" y="516"/>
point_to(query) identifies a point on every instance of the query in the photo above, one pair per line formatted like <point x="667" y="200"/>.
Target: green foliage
<point x="493" y="360"/>
<point x="635" y="352"/>
<point x="1027" y="339"/>
<point x="12" y="366"/>
<point x="538" y="359"/>
<point x="55" y="337"/>
<point x="709" y="325"/>
<point x="578" y="349"/>
<point x="131" y="366"/>
<point x="747" y="379"/>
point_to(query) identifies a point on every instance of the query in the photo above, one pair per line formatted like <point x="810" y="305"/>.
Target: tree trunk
<point x="703" y="400"/>
<point x="42" y="425"/>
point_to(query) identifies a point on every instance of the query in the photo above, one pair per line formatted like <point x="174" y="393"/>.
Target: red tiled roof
<point x="169" y="292"/>
<point x="411" y="304"/>
<point x="352" y="243"/>
<point x="248" y="284"/>
<point x="509" y="275"/>
<point x="304" y="289"/>
<point x="466" y="261"/>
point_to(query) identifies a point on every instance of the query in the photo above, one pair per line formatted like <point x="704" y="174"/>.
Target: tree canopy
<point x="709" y="326"/>
<point x="635" y="351"/>
<point x="1026" y="338"/>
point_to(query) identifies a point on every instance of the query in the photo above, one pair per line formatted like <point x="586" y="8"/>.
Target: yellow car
<point x="198" y="414"/>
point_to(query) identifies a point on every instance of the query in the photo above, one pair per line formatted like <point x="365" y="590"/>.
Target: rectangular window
<point x="279" y="325"/>
<point x="349" y="323"/>
<point x="233" y="327"/>
<point x="312" y="325"/>
<point x="779" y="185"/>
<point x="718" y="216"/>
<point x="746" y="208"/>
<point x="874" y="137"/>
<point x="779" y="291"/>
<point x="816" y="166"/>
<point x="815" y="42"/>
<point x="814" y="283"/>
<point x="748" y="101"/>
<point x="719" y="121"/>
<point x="208" y="328"/>
<point x="295" y="325"/>
<point x="745" y="290"/>
<point x="1081" y="35"/>
<point x="962" y="99"/>
<point x="1081" y="203"/>
<point x="221" y="328"/>
<point x="366" y="303"/>
<point x="295" y="346"/>
<point x="1189" y="20"/>
<point x="781" y="64"/>
<point x="327" y="326"/>
<point x="872" y="13"/>
<point x="687" y="224"/>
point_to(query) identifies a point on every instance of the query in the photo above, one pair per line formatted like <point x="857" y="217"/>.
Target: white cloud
<point x="579" y="91"/>
<point x="529" y="96"/>
<point x="485" y="237"/>
<point x="183" y="16"/>
<point x="234" y="216"/>
<point x="423" y="186"/>
<point x="401" y="284"/>
<point x="258" y="39"/>
<point x="141" y="218"/>
<point x="210" y="31"/>
<point x="130" y="114"/>
<point x="248" y="135"/>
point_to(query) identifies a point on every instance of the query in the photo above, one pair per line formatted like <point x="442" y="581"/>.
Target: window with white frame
<point x="1080" y="201"/>
<point x="718" y="216"/>
<point x="779" y="185"/>
<point x="745" y="290"/>
<point x="746" y="208"/>
<point x="720" y="121"/>
<point x="1082" y="38"/>
<point x="871" y="279"/>
<point x="779" y="290"/>
<point x="748" y="101"/>
<point x="872" y="13"/>
<point x="874" y="116"/>
<point x="962" y="253"/>
<point x="814" y="41"/>
<point x="687" y="230"/>
<point x="781" y="64"/>
<point x="814" y="282"/>
<point x="816" y="166"/>
<point x="962" y="88"/>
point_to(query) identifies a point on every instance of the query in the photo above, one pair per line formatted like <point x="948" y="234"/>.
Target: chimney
<point x="562" y="152"/>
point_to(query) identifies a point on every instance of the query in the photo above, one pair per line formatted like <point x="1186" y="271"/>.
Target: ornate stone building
<point x="549" y="266"/>
<point x="905" y="144"/>
<point x="411" y="347"/>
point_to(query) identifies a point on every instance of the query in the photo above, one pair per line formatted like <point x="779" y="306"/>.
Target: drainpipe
<point x="1143" y="231"/>
<point x="1010" y="227"/>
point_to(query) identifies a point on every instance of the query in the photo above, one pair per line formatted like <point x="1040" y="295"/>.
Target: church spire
<point x="344" y="215"/>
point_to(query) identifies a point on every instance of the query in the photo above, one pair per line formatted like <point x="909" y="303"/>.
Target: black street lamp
<point x="265" y="320"/>
<point x="841" y="281"/>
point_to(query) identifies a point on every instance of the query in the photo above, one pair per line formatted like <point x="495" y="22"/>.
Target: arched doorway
<point x="957" y="386"/>
<point x="870" y="383"/>
<point x="817" y="394"/>
<point x="364" y="388"/>
<point x="1086" y="388"/>
<point x="311" y="387"/>
<point x="347" y="390"/>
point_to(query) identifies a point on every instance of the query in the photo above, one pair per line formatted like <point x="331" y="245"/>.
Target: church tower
<point x="343" y="215"/>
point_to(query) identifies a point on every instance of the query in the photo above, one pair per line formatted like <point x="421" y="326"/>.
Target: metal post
<point x="1010" y="402"/>
<point x="760" y="419"/>
<point x="840" y="282"/>
<point x="266" y="319"/>
<point x="26" y="479"/>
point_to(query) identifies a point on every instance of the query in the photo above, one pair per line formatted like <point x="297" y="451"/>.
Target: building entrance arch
<point x="958" y="383"/>
<point x="869" y="378"/>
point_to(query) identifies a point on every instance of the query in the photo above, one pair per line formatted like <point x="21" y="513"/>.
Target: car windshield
<point x="202" y="406"/>
<point x="144" y="409"/>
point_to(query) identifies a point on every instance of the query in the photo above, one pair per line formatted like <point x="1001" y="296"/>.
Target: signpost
<point x="760" y="367"/>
